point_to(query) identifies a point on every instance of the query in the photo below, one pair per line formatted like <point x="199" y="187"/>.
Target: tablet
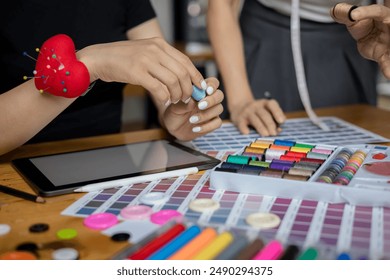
<point x="63" y="173"/>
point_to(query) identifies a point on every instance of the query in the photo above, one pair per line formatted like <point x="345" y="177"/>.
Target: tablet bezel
<point x="43" y="186"/>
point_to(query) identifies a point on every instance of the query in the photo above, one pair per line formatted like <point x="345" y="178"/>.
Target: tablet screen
<point x="70" y="170"/>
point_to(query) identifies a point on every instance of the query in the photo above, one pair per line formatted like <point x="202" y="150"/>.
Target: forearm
<point x="24" y="112"/>
<point x="226" y="40"/>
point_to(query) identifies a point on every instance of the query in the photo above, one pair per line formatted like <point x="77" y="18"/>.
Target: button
<point x="100" y="221"/>
<point x="39" y="227"/>
<point x="27" y="246"/>
<point x="263" y="220"/>
<point x="4" y="229"/>
<point x="66" y="233"/>
<point x="154" y="198"/>
<point x="65" y="254"/>
<point x="163" y="216"/>
<point x="120" y="236"/>
<point x="203" y="205"/>
<point x="136" y="212"/>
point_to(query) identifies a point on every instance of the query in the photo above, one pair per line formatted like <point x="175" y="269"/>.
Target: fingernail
<point x="168" y="103"/>
<point x="196" y="129"/>
<point x="203" y="84"/>
<point x="210" y="90"/>
<point x="202" y="105"/>
<point x="187" y="101"/>
<point x="194" y="119"/>
<point x="175" y="102"/>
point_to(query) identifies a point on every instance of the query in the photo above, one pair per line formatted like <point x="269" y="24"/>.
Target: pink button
<point x="100" y="221"/>
<point x="136" y="212"/>
<point x="163" y="216"/>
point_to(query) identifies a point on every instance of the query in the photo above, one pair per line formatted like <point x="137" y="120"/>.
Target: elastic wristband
<point x="58" y="71"/>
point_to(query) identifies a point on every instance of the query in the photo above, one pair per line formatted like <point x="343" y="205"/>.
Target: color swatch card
<point x="363" y="232"/>
<point x="227" y="137"/>
<point x="354" y="174"/>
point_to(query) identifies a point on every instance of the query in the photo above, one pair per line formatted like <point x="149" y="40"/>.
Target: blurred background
<point x="183" y="23"/>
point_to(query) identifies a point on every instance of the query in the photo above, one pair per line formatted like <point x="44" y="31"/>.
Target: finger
<point x="242" y="125"/>
<point x="267" y="120"/>
<point x="384" y="63"/>
<point x="205" y="116"/>
<point x="376" y="12"/>
<point x="182" y="76"/>
<point x="258" y="125"/>
<point x="167" y="78"/>
<point x="156" y="89"/>
<point x="208" y="126"/>
<point x="212" y="85"/>
<point x="195" y="75"/>
<point x="211" y="100"/>
<point x="340" y="13"/>
<point x="277" y="113"/>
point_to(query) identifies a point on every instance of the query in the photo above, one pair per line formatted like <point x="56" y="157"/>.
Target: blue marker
<point x="171" y="247"/>
<point x="344" y="256"/>
<point x="197" y="93"/>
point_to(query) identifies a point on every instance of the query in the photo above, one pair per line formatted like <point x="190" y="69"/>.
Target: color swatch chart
<point x="228" y="138"/>
<point x="363" y="232"/>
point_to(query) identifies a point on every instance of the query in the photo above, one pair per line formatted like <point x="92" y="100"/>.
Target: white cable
<point x="299" y="68"/>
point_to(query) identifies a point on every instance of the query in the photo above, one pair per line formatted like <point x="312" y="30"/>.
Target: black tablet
<point x="63" y="173"/>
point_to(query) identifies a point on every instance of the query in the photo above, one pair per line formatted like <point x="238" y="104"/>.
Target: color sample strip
<point x="331" y="225"/>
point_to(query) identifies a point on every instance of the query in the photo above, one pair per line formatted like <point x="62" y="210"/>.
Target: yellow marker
<point x="188" y="251"/>
<point x="215" y="247"/>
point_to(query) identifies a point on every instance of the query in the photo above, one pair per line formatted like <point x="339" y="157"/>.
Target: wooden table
<point x="91" y="244"/>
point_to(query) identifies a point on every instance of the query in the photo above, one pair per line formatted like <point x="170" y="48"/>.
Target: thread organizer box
<point x="354" y="174"/>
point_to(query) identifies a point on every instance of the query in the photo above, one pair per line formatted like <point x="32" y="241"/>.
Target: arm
<point x="24" y="112"/>
<point x="226" y="39"/>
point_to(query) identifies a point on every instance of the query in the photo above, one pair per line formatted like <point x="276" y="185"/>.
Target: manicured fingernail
<point x="196" y="129"/>
<point x="187" y="101"/>
<point x="210" y="90"/>
<point x="168" y="103"/>
<point x="194" y="119"/>
<point x="203" y="84"/>
<point x="202" y="105"/>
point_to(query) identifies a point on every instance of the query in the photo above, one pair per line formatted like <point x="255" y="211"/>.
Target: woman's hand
<point x="194" y="119"/>
<point x="263" y="115"/>
<point x="162" y="70"/>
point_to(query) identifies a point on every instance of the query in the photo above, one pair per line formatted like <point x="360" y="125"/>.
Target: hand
<point x="194" y="119"/>
<point x="371" y="30"/>
<point x="263" y="114"/>
<point x="163" y="71"/>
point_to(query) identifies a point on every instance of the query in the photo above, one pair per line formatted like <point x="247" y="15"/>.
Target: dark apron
<point x="336" y="73"/>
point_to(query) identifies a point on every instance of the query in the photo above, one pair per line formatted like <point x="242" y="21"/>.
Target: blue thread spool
<point x="197" y="93"/>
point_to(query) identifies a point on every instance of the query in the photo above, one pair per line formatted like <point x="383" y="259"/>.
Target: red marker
<point x="157" y="243"/>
